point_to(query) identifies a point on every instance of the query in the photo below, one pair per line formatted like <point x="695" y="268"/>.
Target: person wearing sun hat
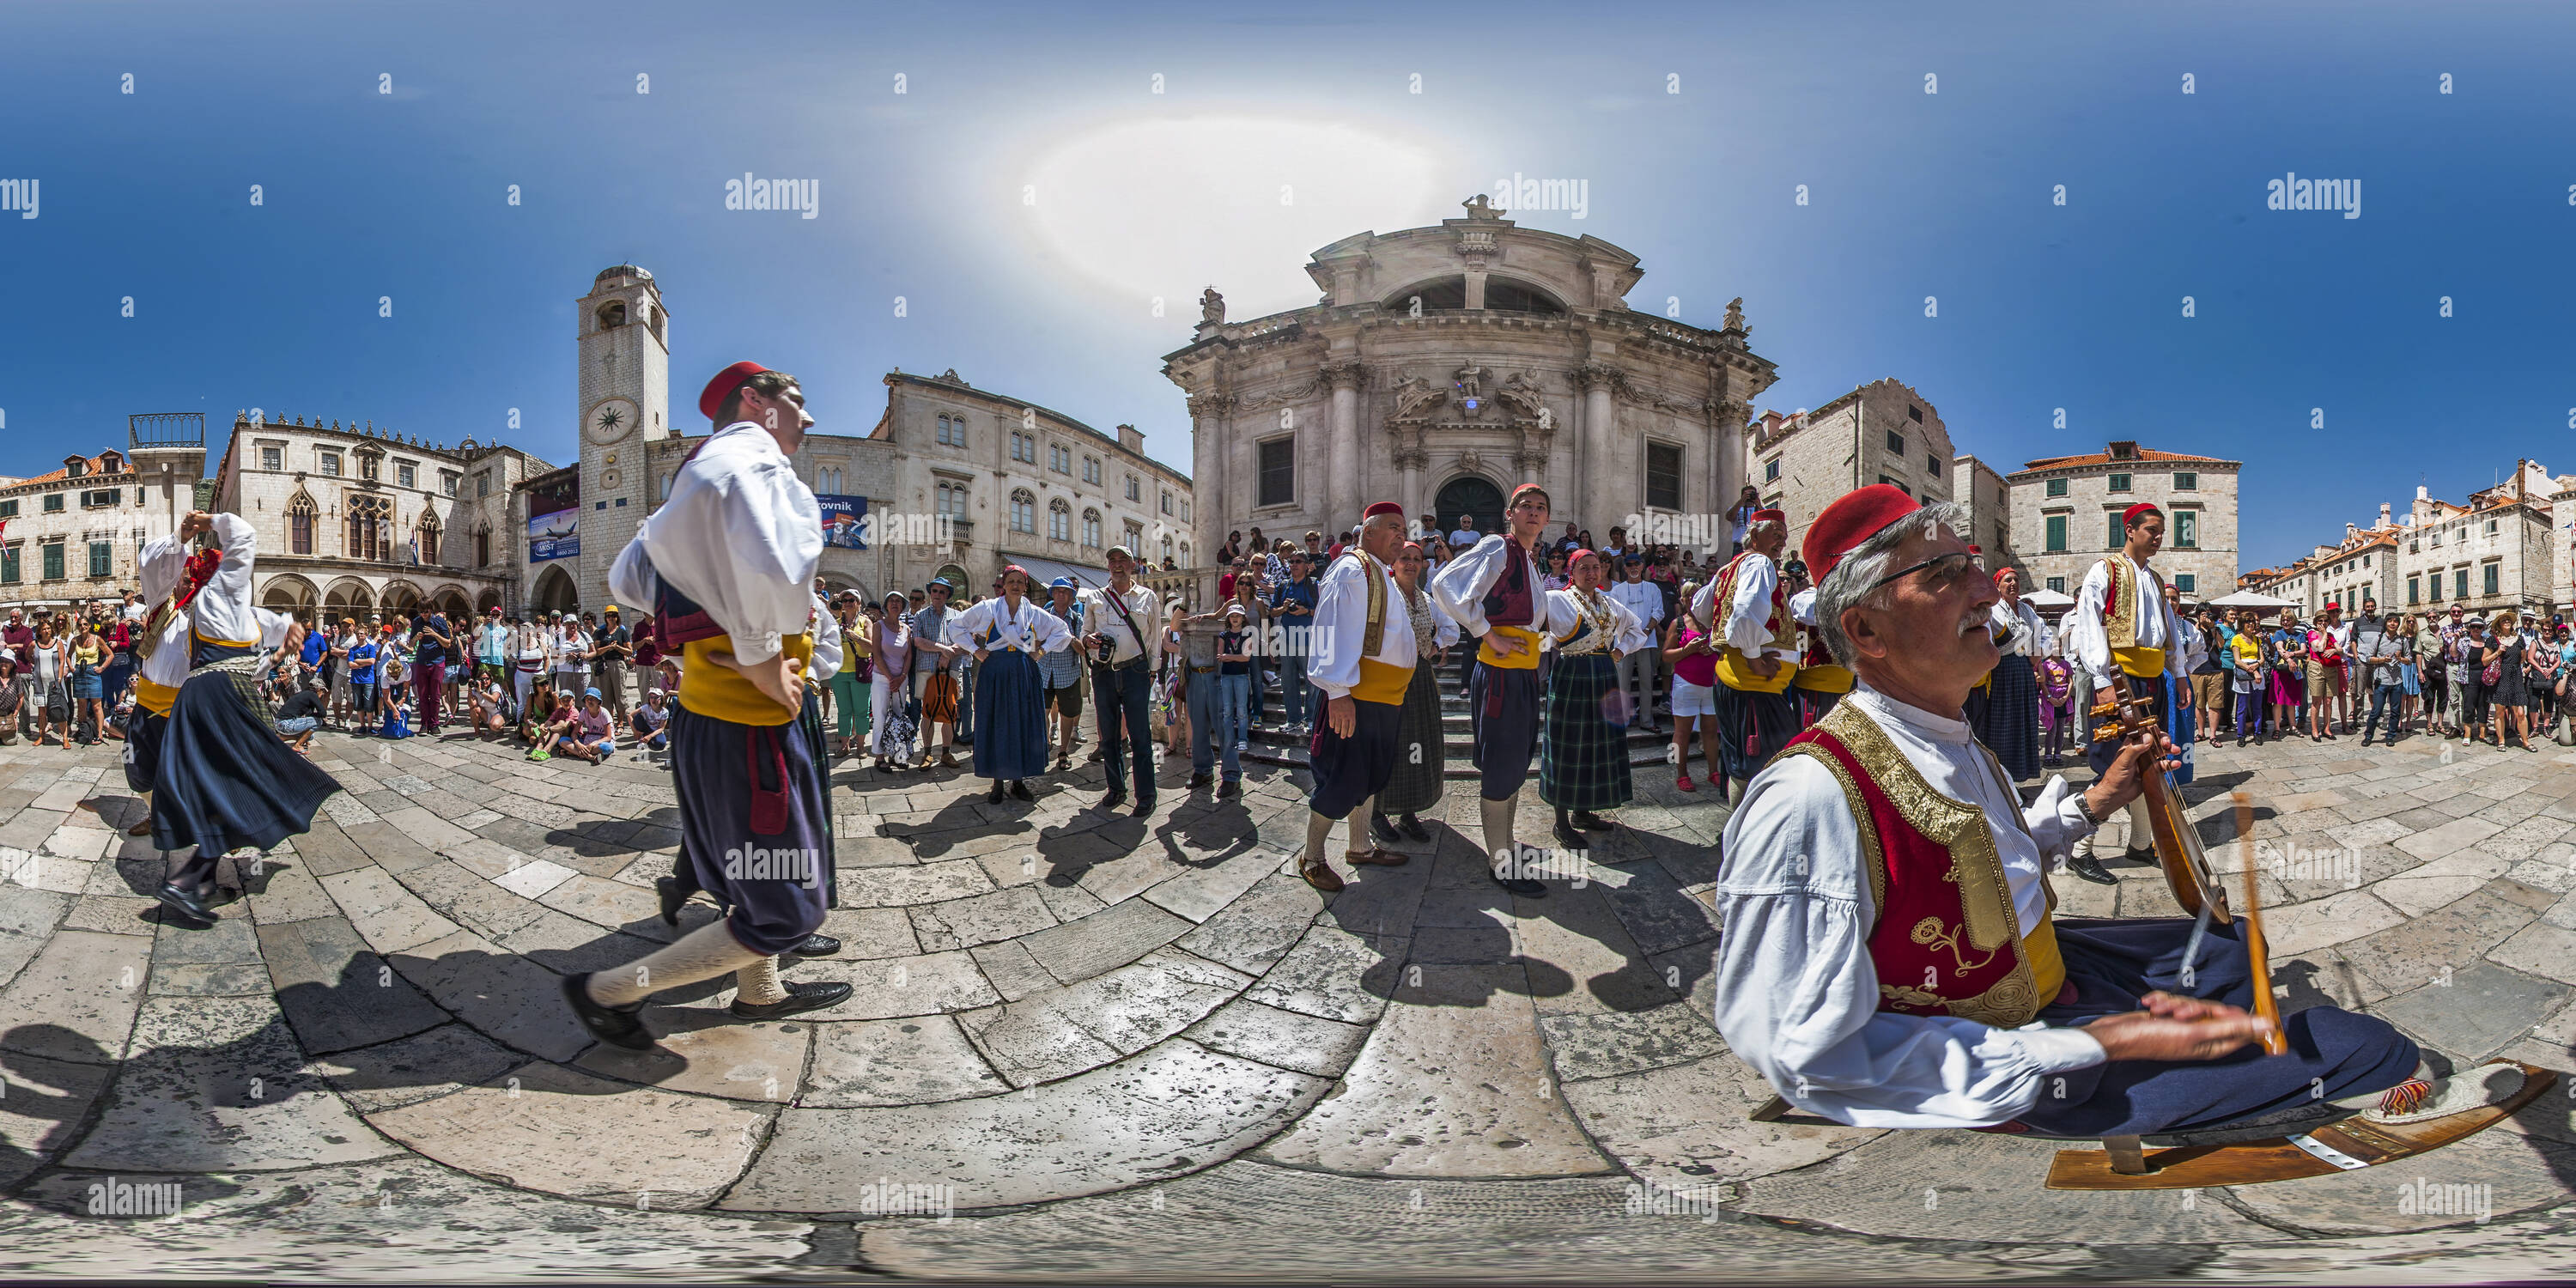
<point x="1748" y="610"/>
<point x="2121" y="625"/>
<point x="1497" y="592"/>
<point x="726" y="566"/>
<point x="1887" y="954"/>
<point x="1363" y="658"/>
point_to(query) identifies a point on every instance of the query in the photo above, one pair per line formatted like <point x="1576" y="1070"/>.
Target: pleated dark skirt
<point x="1582" y="757"/>
<point x="1415" y="785"/>
<point x="1010" y="717"/>
<point x="225" y="778"/>
<point x="2010" y="727"/>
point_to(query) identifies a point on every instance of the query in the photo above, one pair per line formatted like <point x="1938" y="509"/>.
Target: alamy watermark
<point x="113" y="1197"/>
<point x="803" y="196"/>
<point x="802" y="866"/>
<point x="2291" y="192"/>
<point x="1522" y="192"/>
<point x="886" y="1196"/>
<point x="1532" y="863"/>
<point x="1709" y="533"/>
<point x="1700" y="1201"/>
<point x="19" y="195"/>
<point x="2422" y="1197"/>
<point x="2292" y="862"/>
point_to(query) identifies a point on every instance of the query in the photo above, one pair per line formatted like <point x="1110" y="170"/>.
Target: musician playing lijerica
<point x="1889" y="957"/>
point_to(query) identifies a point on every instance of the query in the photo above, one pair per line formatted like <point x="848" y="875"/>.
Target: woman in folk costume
<point x="1496" y="591"/>
<point x="1748" y="607"/>
<point x="1820" y="682"/>
<point x="225" y="779"/>
<point x="1583" y="741"/>
<point x="2009" y="725"/>
<point x="1007" y="634"/>
<point x="1421" y="751"/>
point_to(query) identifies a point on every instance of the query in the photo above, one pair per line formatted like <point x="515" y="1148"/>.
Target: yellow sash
<point x="1824" y="679"/>
<point x="709" y="688"/>
<point x="1382" y="682"/>
<point x="1525" y="660"/>
<point x="2047" y="968"/>
<point x="1735" y="671"/>
<point x="155" y="698"/>
<point x="2140" y="661"/>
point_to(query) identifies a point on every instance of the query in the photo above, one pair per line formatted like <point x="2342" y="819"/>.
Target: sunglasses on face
<point x="1941" y="572"/>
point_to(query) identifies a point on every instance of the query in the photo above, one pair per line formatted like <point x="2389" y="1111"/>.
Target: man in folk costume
<point x="2121" y="625"/>
<point x="171" y="579"/>
<point x="1749" y="609"/>
<point x="223" y="778"/>
<point x="2007" y="720"/>
<point x="1363" y="657"/>
<point x="1496" y="592"/>
<point x="1821" y="681"/>
<point x="1888" y="957"/>
<point x="1583" y="743"/>
<point x="1008" y="635"/>
<point x="728" y="564"/>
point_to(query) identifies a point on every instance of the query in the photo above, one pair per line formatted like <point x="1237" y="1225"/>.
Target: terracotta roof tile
<point x="2146" y="455"/>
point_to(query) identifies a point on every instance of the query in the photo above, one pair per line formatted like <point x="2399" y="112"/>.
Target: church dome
<point x="622" y="270"/>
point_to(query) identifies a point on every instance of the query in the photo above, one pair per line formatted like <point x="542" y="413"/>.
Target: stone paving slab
<point x="219" y="1085"/>
<point x="545" y="1127"/>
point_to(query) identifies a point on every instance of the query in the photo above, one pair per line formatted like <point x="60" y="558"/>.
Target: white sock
<point x="1360" y="842"/>
<point x="758" y="984"/>
<point x="1500" y="848"/>
<point x="2142" y="831"/>
<point x="1318" y="828"/>
<point x="703" y="953"/>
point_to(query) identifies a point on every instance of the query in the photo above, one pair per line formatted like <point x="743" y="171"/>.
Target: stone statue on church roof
<point x="1211" y="308"/>
<point x="1735" y="315"/>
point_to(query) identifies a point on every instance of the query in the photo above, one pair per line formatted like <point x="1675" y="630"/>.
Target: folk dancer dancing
<point x="1363" y="660"/>
<point x="2008" y="722"/>
<point x="1583" y="738"/>
<point x="1421" y="749"/>
<point x="1821" y="681"/>
<point x="1496" y="592"/>
<point x="171" y="578"/>
<point x="2121" y="625"/>
<point x="1125" y="645"/>
<point x="1008" y="635"/>
<point x="1750" y="608"/>
<point x="728" y="564"/>
<point x="1888" y="957"/>
<point x="223" y="779"/>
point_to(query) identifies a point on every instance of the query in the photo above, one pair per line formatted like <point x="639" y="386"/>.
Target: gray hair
<point x="1764" y="528"/>
<point x="1849" y="584"/>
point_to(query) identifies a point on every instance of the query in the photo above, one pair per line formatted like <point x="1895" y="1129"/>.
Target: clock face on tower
<point x="610" y="420"/>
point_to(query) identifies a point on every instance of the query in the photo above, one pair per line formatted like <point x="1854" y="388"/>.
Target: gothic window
<point x="1091" y="470"/>
<point x="370" y="528"/>
<point x="1024" y="511"/>
<point x="1133" y="494"/>
<point x="299" y="525"/>
<point x="483" y="546"/>
<point x="1059" y="520"/>
<point x="1134" y="539"/>
<point x="1091" y="529"/>
<point x="428" y="538"/>
<point x="952" y="500"/>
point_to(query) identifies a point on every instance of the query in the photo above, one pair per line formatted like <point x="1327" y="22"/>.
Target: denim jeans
<point x="1126" y="714"/>
<point x="1292" y="683"/>
<point x="1215" y="701"/>
<point x="2384" y="697"/>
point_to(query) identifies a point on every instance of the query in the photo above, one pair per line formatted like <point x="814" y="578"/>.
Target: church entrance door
<point x="1474" y="497"/>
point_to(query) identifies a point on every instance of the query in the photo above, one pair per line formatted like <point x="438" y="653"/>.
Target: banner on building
<point x="845" y="521"/>
<point x="554" y="536"/>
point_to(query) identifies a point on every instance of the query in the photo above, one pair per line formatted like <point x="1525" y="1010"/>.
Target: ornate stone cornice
<point x="1346" y="375"/>
<point x="1283" y="394"/>
<point x="1203" y="406"/>
<point x="1596" y="375"/>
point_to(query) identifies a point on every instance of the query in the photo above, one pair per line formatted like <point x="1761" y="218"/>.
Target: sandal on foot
<point x="2419" y="1100"/>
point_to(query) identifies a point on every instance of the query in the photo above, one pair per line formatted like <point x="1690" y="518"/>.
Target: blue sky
<point x="1029" y="196"/>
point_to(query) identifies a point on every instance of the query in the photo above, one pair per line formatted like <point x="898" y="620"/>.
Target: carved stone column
<point x="1218" y="505"/>
<point x="1345" y="379"/>
<point x="1596" y="435"/>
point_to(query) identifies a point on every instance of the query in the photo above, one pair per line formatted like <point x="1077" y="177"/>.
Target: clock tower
<point x="625" y="403"/>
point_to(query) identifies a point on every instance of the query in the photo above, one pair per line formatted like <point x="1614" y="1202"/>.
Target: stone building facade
<point x="1978" y="486"/>
<point x="72" y="534"/>
<point x="2066" y="515"/>
<point x="1445" y="366"/>
<point x="980" y="479"/>
<point x="2499" y="551"/>
<point x="354" y="520"/>
<point x="1881" y="432"/>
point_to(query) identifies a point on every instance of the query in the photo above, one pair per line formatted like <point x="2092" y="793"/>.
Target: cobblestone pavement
<point x="1141" y="1049"/>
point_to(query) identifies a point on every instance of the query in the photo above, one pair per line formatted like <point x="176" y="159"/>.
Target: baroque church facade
<point x="1445" y="366"/>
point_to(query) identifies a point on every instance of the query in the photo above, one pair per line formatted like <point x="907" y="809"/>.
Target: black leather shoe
<point x="2143" y="858"/>
<point x="994" y="797"/>
<point x="817" y="944"/>
<point x="1111" y="801"/>
<point x="1412" y="827"/>
<point x="1522" y="886"/>
<point x="187" y="903"/>
<point x="2091" y="869"/>
<point x="672" y="897"/>
<point x="1198" y="781"/>
<point x="1382" y="830"/>
<point x="1144" y="809"/>
<point x="618" y="1026"/>
<point x="1572" y="837"/>
<point x="800" y="998"/>
<point x="1591" y="822"/>
<point x="1230" y="787"/>
<point x="1020" y="790"/>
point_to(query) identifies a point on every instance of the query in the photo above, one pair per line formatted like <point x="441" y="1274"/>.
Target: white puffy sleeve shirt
<point x="1462" y="583"/>
<point x="2089" y="640"/>
<point x="1565" y="617"/>
<point x="827" y="640"/>
<point x="1032" y="628"/>
<point x="740" y="535"/>
<point x="1797" y="994"/>
<point x="223" y="609"/>
<point x="1341" y="626"/>
<point x="1743" y="623"/>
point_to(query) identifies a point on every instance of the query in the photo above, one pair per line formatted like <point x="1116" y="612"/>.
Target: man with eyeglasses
<point x="2122" y="625"/>
<point x="1887" y="960"/>
<point x="1747" y="607"/>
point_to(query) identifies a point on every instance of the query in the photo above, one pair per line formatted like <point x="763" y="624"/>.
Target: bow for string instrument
<point x="2125" y="716"/>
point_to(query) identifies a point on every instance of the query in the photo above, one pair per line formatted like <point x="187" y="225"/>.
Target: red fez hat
<point x="1383" y="507"/>
<point x="2130" y="515"/>
<point x="1999" y="572"/>
<point x="1529" y="487"/>
<point x="712" y="399"/>
<point x="1769" y="516"/>
<point x="1848" y="522"/>
<point x="1573" y="557"/>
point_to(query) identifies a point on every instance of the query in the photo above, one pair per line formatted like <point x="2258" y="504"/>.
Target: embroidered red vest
<point x="1732" y="668"/>
<point x="1946" y="940"/>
